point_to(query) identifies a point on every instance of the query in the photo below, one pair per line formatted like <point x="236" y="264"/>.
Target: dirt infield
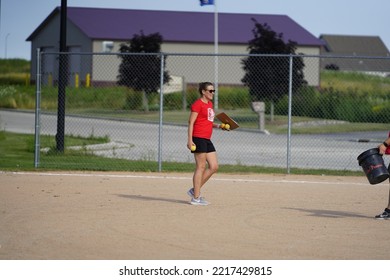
<point x="146" y="216"/>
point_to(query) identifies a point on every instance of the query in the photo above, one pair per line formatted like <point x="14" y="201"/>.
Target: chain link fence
<point x="294" y="111"/>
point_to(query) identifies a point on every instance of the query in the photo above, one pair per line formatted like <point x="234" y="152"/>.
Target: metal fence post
<point x="289" y="115"/>
<point x="160" y="130"/>
<point x="37" y="110"/>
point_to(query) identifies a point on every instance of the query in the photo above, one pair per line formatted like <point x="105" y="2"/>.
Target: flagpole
<point x="214" y="2"/>
<point x="216" y="54"/>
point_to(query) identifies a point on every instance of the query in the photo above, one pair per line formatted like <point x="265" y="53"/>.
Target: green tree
<point x="142" y="72"/>
<point x="267" y="68"/>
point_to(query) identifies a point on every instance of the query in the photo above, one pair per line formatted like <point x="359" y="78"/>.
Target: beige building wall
<point x="187" y="62"/>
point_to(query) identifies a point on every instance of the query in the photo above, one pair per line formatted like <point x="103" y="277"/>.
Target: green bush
<point x="173" y="101"/>
<point x="133" y="101"/>
<point x="381" y="113"/>
<point x="228" y="98"/>
<point x="191" y="95"/>
<point x="233" y="98"/>
<point x="306" y="102"/>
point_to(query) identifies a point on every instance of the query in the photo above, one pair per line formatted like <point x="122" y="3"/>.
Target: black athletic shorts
<point x="203" y="145"/>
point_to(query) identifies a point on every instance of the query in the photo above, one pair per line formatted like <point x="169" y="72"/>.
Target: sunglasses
<point x="210" y="90"/>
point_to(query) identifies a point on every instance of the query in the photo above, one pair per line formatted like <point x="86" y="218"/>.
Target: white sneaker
<point x="199" y="201"/>
<point x="191" y="194"/>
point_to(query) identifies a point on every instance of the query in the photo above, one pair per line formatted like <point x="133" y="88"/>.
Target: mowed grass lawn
<point x="17" y="151"/>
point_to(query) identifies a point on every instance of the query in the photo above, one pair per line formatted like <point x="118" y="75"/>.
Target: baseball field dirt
<point x="147" y="216"/>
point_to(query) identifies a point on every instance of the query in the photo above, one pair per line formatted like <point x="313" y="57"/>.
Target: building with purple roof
<point x="98" y="30"/>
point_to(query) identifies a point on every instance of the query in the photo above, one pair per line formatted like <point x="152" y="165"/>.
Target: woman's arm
<point x="191" y="122"/>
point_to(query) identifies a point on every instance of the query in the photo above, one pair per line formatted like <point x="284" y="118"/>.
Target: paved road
<point x="135" y="140"/>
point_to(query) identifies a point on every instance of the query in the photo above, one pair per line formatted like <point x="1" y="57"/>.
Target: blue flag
<point x="206" y="2"/>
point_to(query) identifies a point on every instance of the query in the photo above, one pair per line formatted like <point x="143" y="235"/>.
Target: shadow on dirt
<point x="149" y="198"/>
<point x="329" y="213"/>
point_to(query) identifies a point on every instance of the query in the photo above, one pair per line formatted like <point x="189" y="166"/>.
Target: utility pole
<point x="6" y="44"/>
<point x="62" y="80"/>
<point x="0" y="18"/>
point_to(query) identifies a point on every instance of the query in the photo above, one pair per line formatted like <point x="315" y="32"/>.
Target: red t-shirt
<point x="387" y="152"/>
<point x="203" y="126"/>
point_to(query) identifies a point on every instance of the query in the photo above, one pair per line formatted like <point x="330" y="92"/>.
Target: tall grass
<point x="14" y="72"/>
<point x="17" y="97"/>
<point x="14" y="66"/>
<point x="355" y="83"/>
<point x="352" y="97"/>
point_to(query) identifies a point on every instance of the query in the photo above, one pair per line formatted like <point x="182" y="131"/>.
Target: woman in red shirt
<point x="200" y="128"/>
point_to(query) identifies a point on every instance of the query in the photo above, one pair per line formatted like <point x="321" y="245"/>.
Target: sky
<point x="19" y="18"/>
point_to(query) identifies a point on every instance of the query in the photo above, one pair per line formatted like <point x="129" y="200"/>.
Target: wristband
<point x="385" y="144"/>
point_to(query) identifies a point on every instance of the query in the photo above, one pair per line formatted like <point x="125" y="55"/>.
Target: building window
<point x="108" y="46"/>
